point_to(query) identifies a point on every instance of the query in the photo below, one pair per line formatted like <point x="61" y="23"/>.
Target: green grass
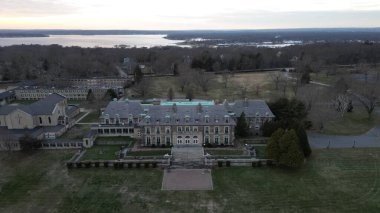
<point x="261" y="152"/>
<point x="149" y="153"/>
<point x="76" y="132"/>
<point x="354" y="123"/>
<point x="225" y="151"/>
<point x="92" y="117"/>
<point x="345" y="180"/>
<point x="101" y="153"/>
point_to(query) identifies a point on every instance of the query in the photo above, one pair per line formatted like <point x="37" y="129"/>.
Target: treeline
<point x="51" y="62"/>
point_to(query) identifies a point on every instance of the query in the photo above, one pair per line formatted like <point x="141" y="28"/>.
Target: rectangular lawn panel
<point x="101" y="153"/>
<point x="341" y="180"/>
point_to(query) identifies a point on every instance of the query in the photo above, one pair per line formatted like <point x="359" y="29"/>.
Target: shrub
<point x="96" y="164"/>
<point x="154" y="164"/>
<point x="105" y="163"/>
<point x="130" y="165"/>
<point x="259" y="163"/>
<point x="69" y="165"/>
<point x="220" y="164"/>
<point x="116" y="165"/>
<point x="79" y="165"/>
<point x="228" y="163"/>
<point x="153" y="146"/>
<point x="146" y="164"/>
<point x="87" y="164"/>
<point x="137" y="165"/>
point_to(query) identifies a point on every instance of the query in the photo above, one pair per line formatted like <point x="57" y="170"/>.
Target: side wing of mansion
<point x="178" y="123"/>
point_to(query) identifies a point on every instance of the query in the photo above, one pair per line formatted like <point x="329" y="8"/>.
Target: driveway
<point x="367" y="140"/>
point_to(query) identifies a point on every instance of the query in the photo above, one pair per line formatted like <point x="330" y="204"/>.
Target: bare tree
<point x="226" y="76"/>
<point x="203" y="80"/>
<point x="185" y="76"/>
<point x="341" y="103"/>
<point x="368" y="95"/>
<point x="277" y="78"/>
<point x="143" y="88"/>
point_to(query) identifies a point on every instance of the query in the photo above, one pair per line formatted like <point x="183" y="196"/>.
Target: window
<point x="226" y="129"/>
<point x="226" y="119"/>
<point x="187" y="139"/>
<point x="147" y="141"/>
<point x="167" y="140"/>
<point x="207" y="130"/>
<point x="216" y="130"/>
<point x="158" y="130"/>
<point x="167" y="130"/>
<point x="179" y="129"/>
<point x="187" y="129"/>
<point x="207" y="139"/>
<point x="158" y="140"/>
<point x="40" y="120"/>
<point x="226" y="140"/>
<point x="179" y="140"/>
<point x="49" y="120"/>
<point x="216" y="139"/>
<point x="206" y="119"/>
<point x="195" y="139"/>
<point x="187" y="119"/>
<point x="147" y="130"/>
<point x="195" y="129"/>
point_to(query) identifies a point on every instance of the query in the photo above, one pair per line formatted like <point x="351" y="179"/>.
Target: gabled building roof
<point x="44" y="106"/>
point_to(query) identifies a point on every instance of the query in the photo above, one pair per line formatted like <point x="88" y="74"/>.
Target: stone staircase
<point x="189" y="157"/>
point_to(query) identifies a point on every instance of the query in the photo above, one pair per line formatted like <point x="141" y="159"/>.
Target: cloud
<point x="35" y="8"/>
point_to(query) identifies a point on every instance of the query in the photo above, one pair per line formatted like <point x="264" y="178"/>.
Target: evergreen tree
<point x="290" y="153"/>
<point x="138" y="74"/>
<point x="170" y="94"/>
<point x="273" y="148"/>
<point x="284" y="148"/>
<point x="242" y="128"/>
<point x="303" y="141"/>
<point x="110" y="94"/>
<point x="90" y="96"/>
<point x="189" y="94"/>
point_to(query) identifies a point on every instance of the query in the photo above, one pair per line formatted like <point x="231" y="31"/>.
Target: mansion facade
<point x="178" y="123"/>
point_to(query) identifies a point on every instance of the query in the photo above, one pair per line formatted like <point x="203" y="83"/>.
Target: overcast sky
<point x="190" y="14"/>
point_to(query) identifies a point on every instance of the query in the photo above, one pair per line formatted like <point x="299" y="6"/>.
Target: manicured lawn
<point x="225" y="151"/>
<point x="344" y="180"/>
<point x="354" y="123"/>
<point x="92" y="117"/>
<point x="261" y="152"/>
<point x="77" y="132"/>
<point x="149" y="153"/>
<point x="101" y="153"/>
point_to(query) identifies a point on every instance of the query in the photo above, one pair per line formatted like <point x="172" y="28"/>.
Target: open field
<point x="259" y="85"/>
<point x="332" y="181"/>
<point x="355" y="123"/>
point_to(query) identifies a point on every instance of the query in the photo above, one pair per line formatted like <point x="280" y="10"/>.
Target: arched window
<point x="187" y="139"/>
<point x="179" y="140"/>
<point x="195" y="140"/>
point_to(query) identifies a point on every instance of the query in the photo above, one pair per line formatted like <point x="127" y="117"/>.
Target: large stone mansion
<point x="178" y="122"/>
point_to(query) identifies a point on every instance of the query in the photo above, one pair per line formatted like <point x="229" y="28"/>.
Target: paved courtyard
<point x="187" y="179"/>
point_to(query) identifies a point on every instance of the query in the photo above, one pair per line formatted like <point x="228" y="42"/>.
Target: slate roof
<point x="250" y="108"/>
<point x="123" y="109"/>
<point x="7" y="94"/>
<point x="42" y="107"/>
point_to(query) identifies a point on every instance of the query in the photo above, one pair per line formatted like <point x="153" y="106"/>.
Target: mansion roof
<point x="187" y="114"/>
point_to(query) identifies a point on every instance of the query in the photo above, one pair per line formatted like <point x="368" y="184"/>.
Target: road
<point x="371" y="139"/>
<point x="121" y="72"/>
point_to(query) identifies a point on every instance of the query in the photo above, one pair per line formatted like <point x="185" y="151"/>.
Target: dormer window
<point x="187" y="119"/>
<point x="167" y="119"/>
<point x="226" y="119"/>
<point x="147" y="119"/>
<point x="207" y="119"/>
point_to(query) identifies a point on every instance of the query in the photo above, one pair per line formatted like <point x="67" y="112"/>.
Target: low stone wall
<point x="120" y="164"/>
<point x="222" y="162"/>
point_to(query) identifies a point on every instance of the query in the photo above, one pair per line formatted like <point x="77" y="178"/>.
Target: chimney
<point x="199" y="108"/>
